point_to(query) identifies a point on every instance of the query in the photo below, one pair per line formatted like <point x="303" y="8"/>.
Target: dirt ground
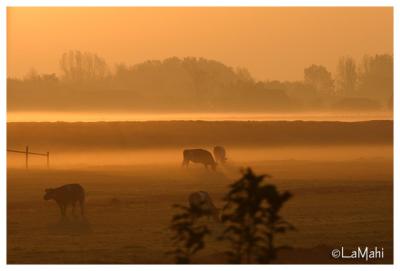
<point x="335" y="204"/>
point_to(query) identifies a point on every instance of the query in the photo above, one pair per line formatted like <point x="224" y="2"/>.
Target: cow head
<point x="49" y="194"/>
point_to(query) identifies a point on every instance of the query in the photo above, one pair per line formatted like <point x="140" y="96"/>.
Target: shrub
<point x="189" y="233"/>
<point x="252" y="219"/>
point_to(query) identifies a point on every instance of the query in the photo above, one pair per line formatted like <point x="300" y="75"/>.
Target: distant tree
<point x="304" y="95"/>
<point x="252" y="219"/>
<point x="122" y="75"/>
<point x="188" y="84"/>
<point x="79" y="67"/>
<point x="121" y="70"/>
<point x="346" y="77"/>
<point x="244" y="74"/>
<point x="320" y="78"/>
<point x="50" y="77"/>
<point x="32" y="75"/>
<point x="376" y="77"/>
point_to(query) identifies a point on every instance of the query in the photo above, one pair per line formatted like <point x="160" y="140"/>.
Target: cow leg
<point x="62" y="210"/>
<point x="82" y="206"/>
<point x="73" y="209"/>
<point x="65" y="206"/>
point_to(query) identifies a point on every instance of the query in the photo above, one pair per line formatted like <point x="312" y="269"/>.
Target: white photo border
<point x="208" y="3"/>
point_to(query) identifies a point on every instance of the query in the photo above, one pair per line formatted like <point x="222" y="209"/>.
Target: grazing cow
<point x="198" y="156"/>
<point x="65" y="195"/>
<point x="202" y="201"/>
<point x="220" y="154"/>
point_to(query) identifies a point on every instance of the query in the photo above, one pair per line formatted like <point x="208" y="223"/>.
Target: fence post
<point x="48" y="159"/>
<point x="26" y="156"/>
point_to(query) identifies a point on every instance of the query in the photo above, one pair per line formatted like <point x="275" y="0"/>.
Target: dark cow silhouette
<point x="202" y="201"/>
<point x="220" y="154"/>
<point x="65" y="195"/>
<point x="198" y="156"/>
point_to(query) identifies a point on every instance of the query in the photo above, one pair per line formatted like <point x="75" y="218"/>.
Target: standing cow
<point x="198" y="156"/>
<point x="220" y="154"/>
<point x="202" y="202"/>
<point x="66" y="195"/>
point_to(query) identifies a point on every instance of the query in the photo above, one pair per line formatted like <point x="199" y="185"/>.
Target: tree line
<point x="87" y="82"/>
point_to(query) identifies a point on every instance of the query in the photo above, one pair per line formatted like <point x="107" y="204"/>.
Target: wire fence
<point x="27" y="153"/>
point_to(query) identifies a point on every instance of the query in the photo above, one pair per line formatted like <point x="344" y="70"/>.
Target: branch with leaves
<point x="189" y="233"/>
<point x="252" y="219"/>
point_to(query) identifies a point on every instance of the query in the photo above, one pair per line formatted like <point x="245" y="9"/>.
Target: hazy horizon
<point x="37" y="37"/>
<point x="54" y="116"/>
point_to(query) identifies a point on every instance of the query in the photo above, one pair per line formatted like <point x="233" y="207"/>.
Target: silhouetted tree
<point x="346" y="77"/>
<point x="244" y="75"/>
<point x="304" y="95"/>
<point x="319" y="77"/>
<point x="78" y="67"/>
<point x="190" y="85"/>
<point x="252" y="219"/>
<point x="32" y="75"/>
<point x="189" y="233"/>
<point x="376" y="77"/>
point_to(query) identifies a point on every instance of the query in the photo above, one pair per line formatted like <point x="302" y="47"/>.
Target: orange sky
<point x="273" y="43"/>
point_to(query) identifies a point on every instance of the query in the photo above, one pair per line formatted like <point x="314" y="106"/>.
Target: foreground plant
<point x="252" y="219"/>
<point x="189" y="233"/>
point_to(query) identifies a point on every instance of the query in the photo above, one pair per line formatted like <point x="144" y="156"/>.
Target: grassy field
<point x="336" y="203"/>
<point x="341" y="175"/>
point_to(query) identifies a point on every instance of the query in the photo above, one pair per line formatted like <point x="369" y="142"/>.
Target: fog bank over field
<point x="295" y="157"/>
<point x="61" y="136"/>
